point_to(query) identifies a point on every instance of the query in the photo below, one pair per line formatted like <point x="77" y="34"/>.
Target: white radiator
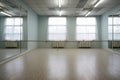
<point x="58" y="44"/>
<point x="84" y="44"/>
<point x="11" y="44"/>
<point x="116" y="44"/>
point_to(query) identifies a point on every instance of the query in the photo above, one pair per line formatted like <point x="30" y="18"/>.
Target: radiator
<point x="116" y="44"/>
<point x="84" y="44"/>
<point x="11" y="44"/>
<point x="58" y="44"/>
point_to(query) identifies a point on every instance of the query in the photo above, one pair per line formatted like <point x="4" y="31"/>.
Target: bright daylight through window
<point x="86" y="28"/>
<point x="13" y="28"/>
<point x="57" y="28"/>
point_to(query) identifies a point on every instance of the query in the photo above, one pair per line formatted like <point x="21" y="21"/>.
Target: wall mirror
<point x="13" y="29"/>
<point x="114" y="31"/>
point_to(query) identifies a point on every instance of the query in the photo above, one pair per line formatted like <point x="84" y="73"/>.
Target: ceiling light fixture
<point x="88" y="13"/>
<point x="60" y="13"/>
<point x="5" y="13"/>
<point x="60" y="3"/>
<point x="98" y="3"/>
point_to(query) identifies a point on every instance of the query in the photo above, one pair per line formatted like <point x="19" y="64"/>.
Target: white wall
<point x="32" y="22"/>
<point x="71" y="31"/>
<point x="104" y="24"/>
<point x="38" y="28"/>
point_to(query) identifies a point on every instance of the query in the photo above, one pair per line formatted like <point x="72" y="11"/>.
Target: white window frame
<point x="13" y="26"/>
<point x="57" y="25"/>
<point x="85" y="25"/>
<point x="112" y="24"/>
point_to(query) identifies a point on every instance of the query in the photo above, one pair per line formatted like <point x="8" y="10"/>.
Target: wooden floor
<point x="63" y="64"/>
<point x="7" y="53"/>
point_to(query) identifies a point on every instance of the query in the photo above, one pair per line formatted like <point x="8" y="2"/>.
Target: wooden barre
<point x="61" y="41"/>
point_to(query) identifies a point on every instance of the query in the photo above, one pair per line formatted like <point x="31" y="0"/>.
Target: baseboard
<point x="14" y="57"/>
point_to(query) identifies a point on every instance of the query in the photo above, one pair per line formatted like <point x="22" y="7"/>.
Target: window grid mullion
<point x="57" y="35"/>
<point x="84" y="27"/>
<point x="13" y="33"/>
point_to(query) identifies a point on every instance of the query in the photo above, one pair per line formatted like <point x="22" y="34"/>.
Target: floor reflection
<point x="114" y="66"/>
<point x="63" y="64"/>
<point x="7" y="53"/>
<point x="57" y="67"/>
<point x="13" y="68"/>
<point x="86" y="67"/>
<point x="117" y="50"/>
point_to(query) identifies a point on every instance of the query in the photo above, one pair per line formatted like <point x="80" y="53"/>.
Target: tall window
<point x="86" y="28"/>
<point x="13" y="28"/>
<point x="114" y="28"/>
<point x="57" y="28"/>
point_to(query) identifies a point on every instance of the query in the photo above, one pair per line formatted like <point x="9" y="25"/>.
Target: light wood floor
<point x="7" y="53"/>
<point x="63" y="64"/>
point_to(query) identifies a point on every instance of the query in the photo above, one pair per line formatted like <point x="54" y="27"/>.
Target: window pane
<point x="81" y="29"/>
<point x="57" y="21"/>
<point x="91" y="36"/>
<point x="9" y="21"/>
<point x="18" y="30"/>
<point x="91" y="29"/>
<point x="9" y="37"/>
<point x="57" y="29"/>
<point x="110" y="29"/>
<point x="116" y="36"/>
<point x="52" y="29"/>
<point x="81" y="36"/>
<point x="61" y="29"/>
<point x="9" y="30"/>
<point x="116" y="20"/>
<point x="86" y="28"/>
<point x="51" y="37"/>
<point x="116" y="29"/>
<point x="13" y="28"/>
<point x="86" y="21"/>
<point x="17" y="36"/>
<point x="86" y="37"/>
<point x="110" y="36"/>
<point x="18" y="21"/>
<point x="57" y="37"/>
<point x="110" y="20"/>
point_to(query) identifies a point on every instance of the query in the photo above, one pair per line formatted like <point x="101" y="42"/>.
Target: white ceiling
<point x="12" y="8"/>
<point x="70" y="7"/>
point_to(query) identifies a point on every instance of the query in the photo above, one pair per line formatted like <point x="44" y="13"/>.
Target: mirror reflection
<point x="13" y="29"/>
<point x="23" y="30"/>
<point x="114" y="32"/>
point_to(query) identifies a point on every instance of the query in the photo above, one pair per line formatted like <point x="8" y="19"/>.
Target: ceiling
<point x="71" y="7"/>
<point x="12" y="8"/>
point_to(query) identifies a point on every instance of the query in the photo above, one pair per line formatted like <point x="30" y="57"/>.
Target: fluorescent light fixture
<point x="60" y="13"/>
<point x="88" y="13"/>
<point x="5" y="13"/>
<point x="60" y="3"/>
<point x="98" y="3"/>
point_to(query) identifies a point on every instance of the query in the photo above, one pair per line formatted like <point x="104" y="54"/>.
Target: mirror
<point x="13" y="29"/>
<point x="114" y="31"/>
<point x="23" y="43"/>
